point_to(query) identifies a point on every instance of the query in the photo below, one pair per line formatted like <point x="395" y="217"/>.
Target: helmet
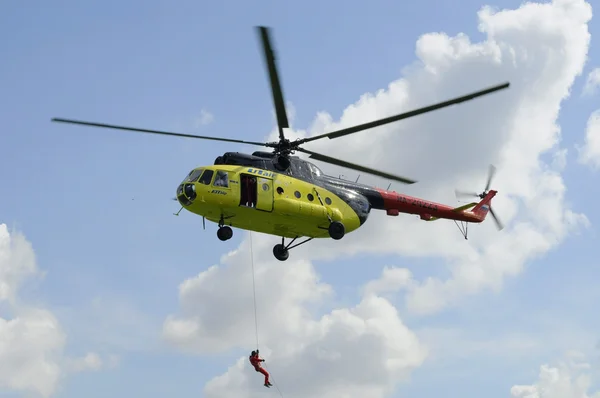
<point x="253" y="353"/>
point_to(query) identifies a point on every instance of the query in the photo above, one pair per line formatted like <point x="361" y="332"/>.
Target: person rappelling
<point x="255" y="360"/>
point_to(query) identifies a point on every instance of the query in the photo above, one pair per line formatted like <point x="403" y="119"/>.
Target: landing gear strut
<point x="282" y="252"/>
<point x="336" y="229"/>
<point x="463" y="227"/>
<point x="224" y="232"/>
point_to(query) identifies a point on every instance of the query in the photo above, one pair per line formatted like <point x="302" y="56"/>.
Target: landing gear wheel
<point x="280" y="252"/>
<point x="337" y="230"/>
<point x="224" y="233"/>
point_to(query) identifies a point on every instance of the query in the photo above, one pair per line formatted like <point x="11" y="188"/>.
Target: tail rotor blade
<point x="491" y="174"/>
<point x="464" y="194"/>
<point x="498" y="223"/>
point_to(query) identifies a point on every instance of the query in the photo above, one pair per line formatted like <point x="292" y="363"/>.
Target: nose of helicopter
<point x="186" y="194"/>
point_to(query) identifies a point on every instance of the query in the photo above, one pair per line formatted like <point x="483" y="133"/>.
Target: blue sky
<point x="97" y="206"/>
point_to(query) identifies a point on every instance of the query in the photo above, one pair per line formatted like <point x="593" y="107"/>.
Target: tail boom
<point x="395" y="203"/>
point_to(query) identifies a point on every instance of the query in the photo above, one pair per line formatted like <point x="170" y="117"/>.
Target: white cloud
<point x="204" y="119"/>
<point x="590" y="153"/>
<point x="592" y="83"/>
<point x="392" y="280"/>
<point x="30" y="351"/>
<point x="569" y="379"/>
<point x="32" y="342"/>
<point x="92" y="362"/>
<point x="217" y="315"/>
<point x="541" y="49"/>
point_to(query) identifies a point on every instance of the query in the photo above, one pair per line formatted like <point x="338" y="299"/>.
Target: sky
<point x="103" y="292"/>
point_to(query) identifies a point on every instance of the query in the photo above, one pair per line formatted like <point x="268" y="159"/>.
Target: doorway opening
<point x="248" y="190"/>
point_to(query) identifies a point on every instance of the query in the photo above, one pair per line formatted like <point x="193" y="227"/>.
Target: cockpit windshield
<point x="194" y="175"/>
<point x="314" y="169"/>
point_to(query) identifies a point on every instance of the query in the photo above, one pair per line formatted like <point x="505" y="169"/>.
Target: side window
<point x="206" y="177"/>
<point x="221" y="180"/>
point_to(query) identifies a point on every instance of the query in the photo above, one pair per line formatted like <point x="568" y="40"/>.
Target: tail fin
<point x="482" y="208"/>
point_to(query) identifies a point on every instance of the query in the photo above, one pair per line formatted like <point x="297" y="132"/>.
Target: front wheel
<point x="224" y="233"/>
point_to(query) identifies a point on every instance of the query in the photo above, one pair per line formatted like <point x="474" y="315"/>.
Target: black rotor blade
<point x="464" y="194"/>
<point x="381" y="122"/>
<point x="498" y="223"/>
<point x="112" y="126"/>
<point x="278" y="101"/>
<point x="338" y="162"/>
<point x="491" y="174"/>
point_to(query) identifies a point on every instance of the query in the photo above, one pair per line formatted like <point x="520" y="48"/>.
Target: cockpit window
<point x="193" y="176"/>
<point x="314" y="169"/>
<point x="303" y="168"/>
<point x="221" y="180"/>
<point x="206" y="177"/>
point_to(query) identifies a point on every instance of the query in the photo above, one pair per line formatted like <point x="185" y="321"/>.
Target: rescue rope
<point x="255" y="313"/>
<point x="254" y="289"/>
<point x="273" y="380"/>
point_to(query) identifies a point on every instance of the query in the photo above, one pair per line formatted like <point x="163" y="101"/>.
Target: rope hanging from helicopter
<point x="255" y="307"/>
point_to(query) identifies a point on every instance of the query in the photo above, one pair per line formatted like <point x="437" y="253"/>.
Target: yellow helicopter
<point x="283" y="195"/>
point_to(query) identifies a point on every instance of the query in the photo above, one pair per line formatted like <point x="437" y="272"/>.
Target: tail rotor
<point x="468" y="194"/>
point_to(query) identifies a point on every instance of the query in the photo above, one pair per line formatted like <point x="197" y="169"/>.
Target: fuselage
<point x="299" y="201"/>
<point x="269" y="202"/>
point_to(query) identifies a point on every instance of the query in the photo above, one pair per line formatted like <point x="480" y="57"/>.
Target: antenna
<point x="357" y="178"/>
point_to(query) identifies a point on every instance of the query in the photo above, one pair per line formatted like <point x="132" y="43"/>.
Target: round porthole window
<point x="265" y="187"/>
<point x="328" y="201"/>
<point x="279" y="190"/>
<point x="310" y="197"/>
<point x="297" y="194"/>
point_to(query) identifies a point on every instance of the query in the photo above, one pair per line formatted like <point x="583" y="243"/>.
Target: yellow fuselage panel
<point x="284" y="206"/>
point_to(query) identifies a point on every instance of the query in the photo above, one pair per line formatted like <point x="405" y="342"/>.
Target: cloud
<point x="541" y="49"/>
<point x="204" y="119"/>
<point x="592" y="83"/>
<point x="569" y="379"/>
<point x="32" y="343"/>
<point x="217" y="314"/>
<point x="392" y="280"/>
<point x="92" y="362"/>
<point x="30" y="350"/>
<point x="589" y="154"/>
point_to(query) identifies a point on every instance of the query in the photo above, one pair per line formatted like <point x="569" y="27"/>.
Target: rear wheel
<point x="280" y="252"/>
<point x="337" y="230"/>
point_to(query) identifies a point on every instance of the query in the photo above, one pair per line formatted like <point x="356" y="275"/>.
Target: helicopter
<point x="281" y="194"/>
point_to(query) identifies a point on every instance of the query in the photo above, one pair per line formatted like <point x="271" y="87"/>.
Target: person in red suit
<point x="255" y="360"/>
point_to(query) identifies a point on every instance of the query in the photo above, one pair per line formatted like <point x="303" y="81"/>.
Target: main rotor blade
<point x="381" y="122"/>
<point x="278" y="101"/>
<point x="338" y="162"/>
<point x="491" y="174"/>
<point x="112" y="126"/>
<point x="498" y="223"/>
